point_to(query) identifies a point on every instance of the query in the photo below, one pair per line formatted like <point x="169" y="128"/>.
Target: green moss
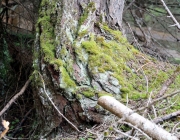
<point x="125" y="90"/>
<point x="106" y="133"/>
<point x="82" y="33"/>
<point x="103" y="93"/>
<point x="67" y="81"/>
<point x="133" y="94"/>
<point x="36" y="79"/>
<point x="101" y="18"/>
<point x="90" y="47"/>
<point x="111" y="128"/>
<point x="44" y="19"/>
<point x="124" y="127"/>
<point x="100" y="39"/>
<point x="157" y="79"/>
<point x="47" y="21"/>
<point x="137" y="95"/>
<point x="84" y="16"/>
<point x="48" y="50"/>
<point x="117" y="34"/>
<point x="63" y="52"/>
<point x="91" y="5"/>
<point x="47" y="36"/>
<point x="88" y="93"/>
<point x="114" y="55"/>
<point x="176" y="82"/>
<point x="110" y="56"/>
<point x="57" y="63"/>
<point x="79" y="96"/>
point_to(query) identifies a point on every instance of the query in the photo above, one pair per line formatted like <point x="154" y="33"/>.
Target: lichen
<point x="108" y="51"/>
<point x="48" y="43"/>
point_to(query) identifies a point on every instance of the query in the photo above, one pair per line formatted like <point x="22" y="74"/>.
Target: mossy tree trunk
<point x="77" y="58"/>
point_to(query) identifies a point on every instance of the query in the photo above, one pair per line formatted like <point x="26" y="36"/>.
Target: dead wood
<point x="120" y="110"/>
<point x="166" y="117"/>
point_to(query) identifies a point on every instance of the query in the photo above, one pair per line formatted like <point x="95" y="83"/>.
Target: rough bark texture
<point x="64" y="53"/>
<point x="80" y="55"/>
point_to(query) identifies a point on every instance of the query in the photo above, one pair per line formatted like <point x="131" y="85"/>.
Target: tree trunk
<point x="76" y="60"/>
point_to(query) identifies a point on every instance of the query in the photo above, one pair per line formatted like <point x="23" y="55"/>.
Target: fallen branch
<point x="122" y="133"/>
<point x="15" y="97"/>
<point x="166" y="117"/>
<point x="120" y="110"/>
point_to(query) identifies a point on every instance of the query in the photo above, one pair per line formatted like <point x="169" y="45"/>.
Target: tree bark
<point x="65" y="50"/>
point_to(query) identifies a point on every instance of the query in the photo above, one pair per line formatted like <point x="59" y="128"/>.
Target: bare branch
<point x="120" y="132"/>
<point x="171" y="15"/>
<point x="15" y="97"/>
<point x="120" y="110"/>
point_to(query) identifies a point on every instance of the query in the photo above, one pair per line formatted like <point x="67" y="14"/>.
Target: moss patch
<point x="124" y="61"/>
<point x="109" y="51"/>
<point x="46" y="28"/>
<point x="110" y="55"/>
<point x="88" y="93"/>
<point x="66" y="79"/>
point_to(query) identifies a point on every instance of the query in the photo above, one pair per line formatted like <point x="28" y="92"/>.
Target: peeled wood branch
<point x="120" y="110"/>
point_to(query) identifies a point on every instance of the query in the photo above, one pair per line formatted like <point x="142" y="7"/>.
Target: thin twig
<point x="136" y="129"/>
<point x="128" y="6"/>
<point x="148" y="102"/>
<point x="171" y="15"/>
<point x="56" y="106"/>
<point x="174" y="128"/>
<point x="158" y="99"/>
<point x="120" y="132"/>
<point x="15" y="97"/>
